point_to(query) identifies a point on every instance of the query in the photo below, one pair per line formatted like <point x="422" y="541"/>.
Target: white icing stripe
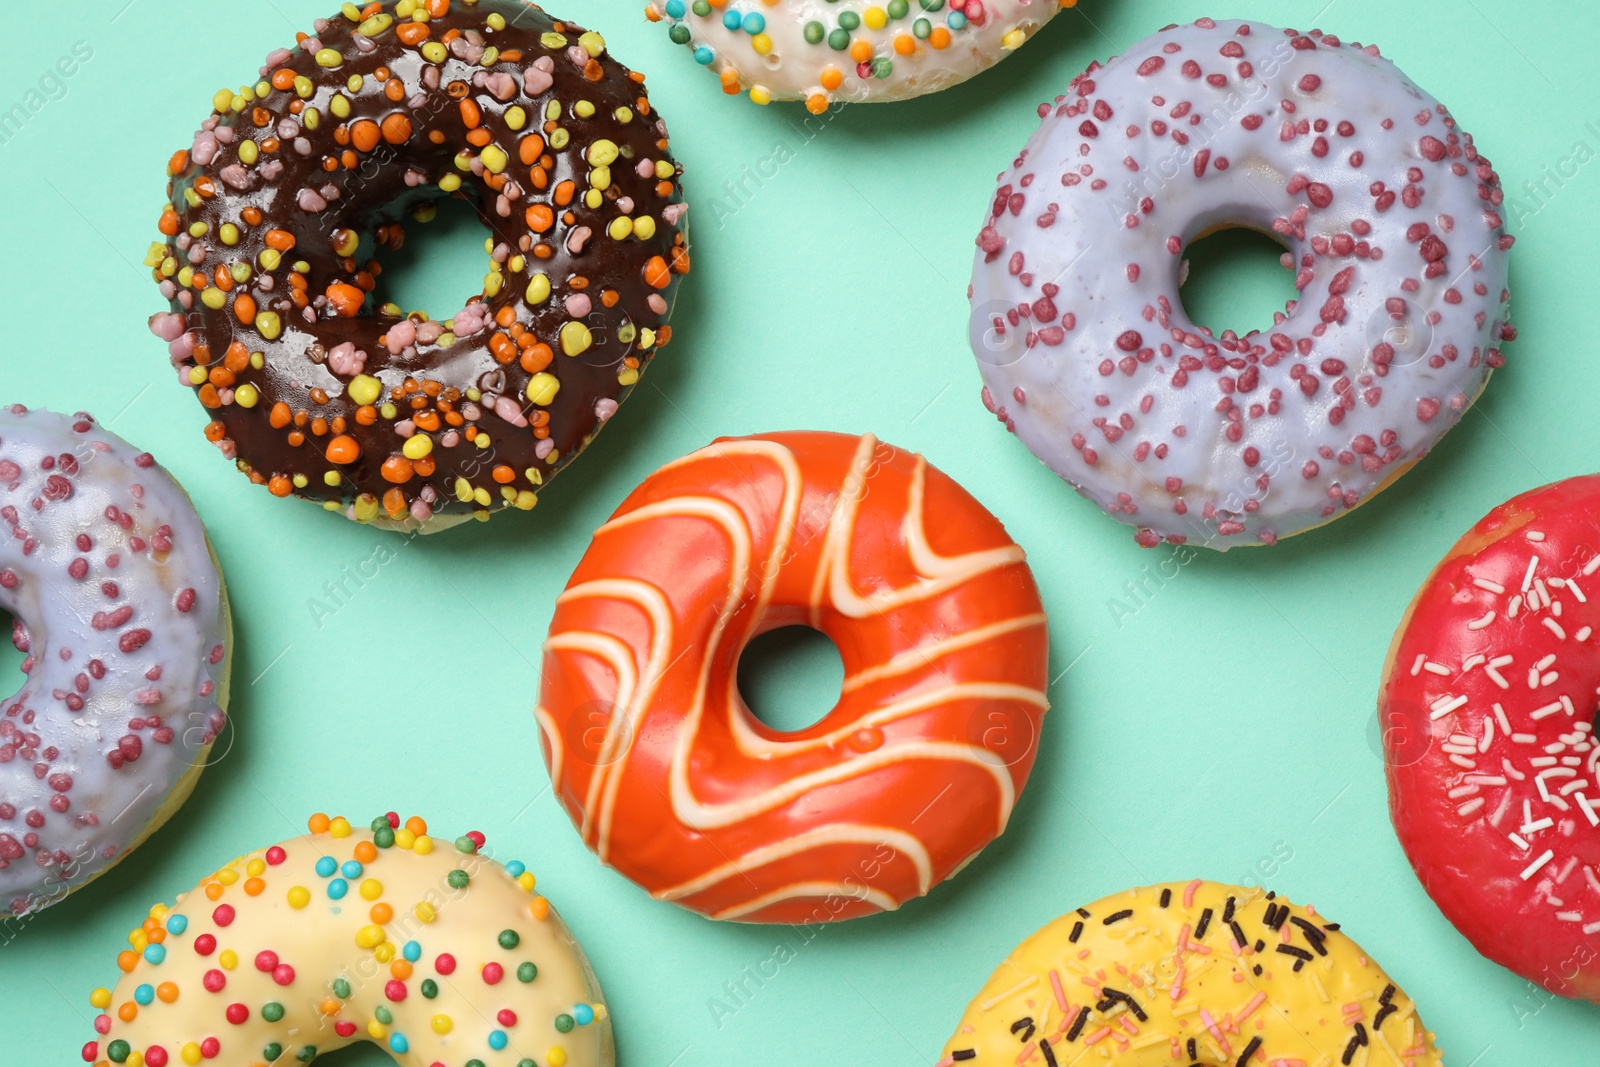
<point x="821" y="836"/>
<point x="619" y="657"/>
<point x="925" y="654"/>
<point x="552" y="738"/>
<point x="818" y="890"/>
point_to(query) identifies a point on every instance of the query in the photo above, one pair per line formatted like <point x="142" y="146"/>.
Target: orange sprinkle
<point x="396" y="469"/>
<point x="366" y="851"/>
<point x="167" y="992"/>
<point x="318" y="823"/>
<point x="244" y="308"/>
<point x="343" y="449"/>
<point x="413" y="33"/>
<point x="365" y="135"/>
<point x="128" y="1012"/>
<point x="169" y="223"/>
<point x="381" y="913"/>
<point x="540" y="908"/>
<point x="471" y="113"/>
<point x="253" y="887"/>
<point x="279" y="240"/>
<point x="394" y="503"/>
<point x="536" y="357"/>
<point x="345" y="298"/>
<point x="214" y="890"/>
<point x="280" y="486"/>
<point x="656" y="274"/>
<point x="396" y="129"/>
<point x="504" y="474"/>
<point x="127" y="959"/>
<point x="540" y="218"/>
<point x="279" y="417"/>
<point x="832" y="79"/>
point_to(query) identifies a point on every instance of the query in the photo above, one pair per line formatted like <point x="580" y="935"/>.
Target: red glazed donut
<point x="1487" y="708"/>
<point x="915" y="770"/>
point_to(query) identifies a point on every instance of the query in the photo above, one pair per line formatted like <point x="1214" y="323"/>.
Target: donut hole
<point x="790" y="678"/>
<point x="441" y="262"/>
<point x="10" y="656"/>
<point x="1235" y="279"/>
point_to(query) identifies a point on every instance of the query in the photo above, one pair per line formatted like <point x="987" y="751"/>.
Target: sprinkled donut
<point x="1392" y="223"/>
<point x="1487" y="709"/>
<point x="119" y="608"/>
<point x="1197" y="975"/>
<point x="318" y="388"/>
<point x="435" y="953"/>
<point x="671" y="779"/>
<point x="857" y="50"/>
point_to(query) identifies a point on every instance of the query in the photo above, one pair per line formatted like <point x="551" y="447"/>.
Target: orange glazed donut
<point x="672" y="780"/>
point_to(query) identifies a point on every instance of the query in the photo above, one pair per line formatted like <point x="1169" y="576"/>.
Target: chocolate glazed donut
<point x="314" y="386"/>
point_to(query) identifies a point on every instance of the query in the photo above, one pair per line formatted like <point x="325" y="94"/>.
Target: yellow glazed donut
<point x="1191" y="974"/>
<point x="432" y="951"/>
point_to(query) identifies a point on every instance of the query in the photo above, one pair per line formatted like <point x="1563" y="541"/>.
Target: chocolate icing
<point x="617" y="284"/>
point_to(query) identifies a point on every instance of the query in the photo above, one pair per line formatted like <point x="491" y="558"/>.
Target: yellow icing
<point x="352" y="963"/>
<point x="1304" y="1018"/>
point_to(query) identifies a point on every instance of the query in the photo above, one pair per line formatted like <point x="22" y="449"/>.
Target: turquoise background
<point x="1224" y="729"/>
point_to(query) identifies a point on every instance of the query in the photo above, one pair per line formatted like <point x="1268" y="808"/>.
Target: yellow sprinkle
<point x="763" y="44"/>
<point x="876" y="18"/>
<point x="300" y="481"/>
<point x="228" y="958"/>
<point x="424" y="843"/>
<point x="627" y="376"/>
<point x="377" y="1030"/>
<point x="340" y="827"/>
<point x="556" y="1056"/>
<point x="227" y="876"/>
<point x="593" y="198"/>
<point x="1013" y="40"/>
<point x="761" y="96"/>
<point x="222" y="101"/>
<point x="538" y="289"/>
<point x="496" y="21"/>
<point x="299" y="897"/>
<point x="100" y="998"/>
<point x="424" y="912"/>
<point x="331" y="478"/>
<point x="214" y="299"/>
<point x="481" y="496"/>
<point x="441" y="1024"/>
<point x="592" y="43"/>
<point x="575" y="338"/>
<point x="269" y="258"/>
<point x="620" y="227"/>
<point x="384" y="952"/>
<point x="369" y="937"/>
<point x="246" y="396"/>
<point x="388" y="410"/>
<point x="190" y="1053"/>
<point x="450" y="182"/>
<point x="647" y="338"/>
<point x="602" y="153"/>
<point x="525" y="500"/>
<point x="304" y="87"/>
<point x="249" y="152"/>
<point x="583" y="109"/>
<point x="665" y="169"/>
<point x="600" y="178"/>
<point x="553" y="40"/>
<point x="526" y="880"/>
<point x="371" y="889"/>
<point x="364" y="389"/>
<point x="197" y="376"/>
<point x="434" y="52"/>
<point x="365" y="509"/>
<point x="542" y="388"/>
<point x="329" y="57"/>
<point x="311" y="117"/>
<point x="256" y="867"/>
<point x="516" y="118"/>
<point x="494" y="158"/>
<point x="644" y="227"/>
<point x="404" y="838"/>
<point x="340" y="106"/>
<point x="268" y="324"/>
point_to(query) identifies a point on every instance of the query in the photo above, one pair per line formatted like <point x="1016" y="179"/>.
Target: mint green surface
<point x="1220" y="725"/>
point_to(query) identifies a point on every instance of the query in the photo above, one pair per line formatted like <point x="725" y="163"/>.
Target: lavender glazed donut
<point x="119" y="607"/>
<point x="1392" y="222"/>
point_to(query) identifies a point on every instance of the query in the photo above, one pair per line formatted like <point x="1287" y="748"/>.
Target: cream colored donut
<point x="820" y="51"/>
<point x="435" y="953"/>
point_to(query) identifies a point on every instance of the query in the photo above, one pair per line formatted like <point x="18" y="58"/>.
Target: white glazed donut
<point x="1392" y="222"/>
<point x="820" y="51"/>
<point x="119" y="607"/>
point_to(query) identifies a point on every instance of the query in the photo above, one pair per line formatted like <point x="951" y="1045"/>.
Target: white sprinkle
<point x="1518" y="841"/>
<point x="1524" y="739"/>
<point x="1470" y="807"/>
<point x="1437" y="668"/>
<point x="1570" y="916"/>
<point x="1465" y="750"/>
<point x="1512" y="772"/>
<point x="1588" y="876"/>
<point x="1557" y="772"/>
<point x="1588" y="809"/>
<point x="1566" y="869"/>
<point x="1533" y="868"/>
<point x="1445" y="705"/>
<point x="1555" y="609"/>
<point x="1535" y="827"/>
<point x="1416" y="668"/>
<point x="1527" y="579"/>
<point x="1514" y="607"/>
<point x="1463" y="762"/>
<point x="1485" y="779"/>
<point x="1592" y="928"/>
<point x="1549" y="709"/>
<point x="1544" y="594"/>
<point x="1493" y="587"/>
<point x="1555" y="628"/>
<point x="1463" y="791"/>
<point x="1592" y="566"/>
<point x="1492" y="669"/>
<point x="1478" y="624"/>
<point x="1566" y="705"/>
<point x="1549" y="678"/>
<point x="1574" y="786"/>
<point x="1583" y="634"/>
<point x="1572" y="587"/>
<point x="1545" y="662"/>
<point x="1500" y="717"/>
<point x="1533" y="678"/>
<point x="1535" y="535"/>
